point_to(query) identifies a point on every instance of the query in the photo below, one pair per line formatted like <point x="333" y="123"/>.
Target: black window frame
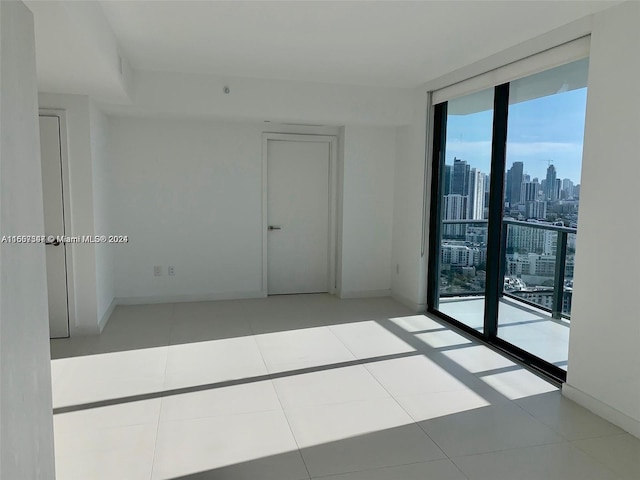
<point x="496" y="239"/>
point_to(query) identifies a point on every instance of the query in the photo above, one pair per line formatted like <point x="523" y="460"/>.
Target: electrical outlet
<point x="170" y="270"/>
<point x="157" y="271"/>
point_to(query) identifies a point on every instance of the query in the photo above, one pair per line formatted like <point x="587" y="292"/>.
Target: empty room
<point x="349" y="240"/>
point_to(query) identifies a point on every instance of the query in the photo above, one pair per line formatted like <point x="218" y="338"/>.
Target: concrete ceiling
<point x="87" y="47"/>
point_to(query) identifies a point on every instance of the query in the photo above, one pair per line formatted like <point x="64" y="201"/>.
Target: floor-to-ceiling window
<point x="504" y="218"/>
<point x="467" y="125"/>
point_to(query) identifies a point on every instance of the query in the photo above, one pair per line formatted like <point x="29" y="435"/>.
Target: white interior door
<point x="298" y="204"/>
<point x="52" y="190"/>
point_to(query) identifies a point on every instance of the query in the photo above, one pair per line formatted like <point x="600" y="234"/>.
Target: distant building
<point x="522" y="239"/>
<point x="477" y="181"/>
<point x="476" y="234"/>
<point x="550" y="184"/>
<point x="447" y="179"/>
<point x="529" y="191"/>
<point x="536" y="210"/>
<point x="567" y="189"/>
<point x="516" y="182"/>
<point x="458" y="255"/>
<point x="460" y="177"/>
<point x="455" y="208"/>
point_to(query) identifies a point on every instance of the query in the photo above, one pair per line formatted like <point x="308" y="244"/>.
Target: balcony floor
<point x="311" y="386"/>
<point x="524" y="326"/>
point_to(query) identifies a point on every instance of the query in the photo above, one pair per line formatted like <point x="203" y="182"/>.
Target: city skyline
<point x="524" y="172"/>
<point x="539" y="130"/>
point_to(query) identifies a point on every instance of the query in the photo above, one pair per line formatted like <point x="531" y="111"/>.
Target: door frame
<point x="66" y="208"/>
<point x="332" y="140"/>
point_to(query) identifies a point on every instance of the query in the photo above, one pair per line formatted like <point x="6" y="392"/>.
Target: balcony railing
<point x="534" y="253"/>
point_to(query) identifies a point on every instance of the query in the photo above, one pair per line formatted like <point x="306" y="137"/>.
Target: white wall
<point x="26" y="423"/>
<point x="104" y="252"/>
<point x="188" y="194"/>
<point x="408" y="279"/>
<point x="604" y="359"/>
<point x="367" y="210"/>
<point x="84" y="315"/>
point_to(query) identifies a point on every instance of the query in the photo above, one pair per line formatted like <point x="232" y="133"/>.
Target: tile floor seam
<point x="220" y="415"/>
<point x="384" y="467"/>
<point x="598" y="461"/>
<point x="506" y="449"/>
<point x="453" y="460"/>
<point x="393" y="396"/>
<point x="458" y="468"/>
<point x="568" y="443"/>
<point x="164" y="380"/>
<point x="347" y="402"/>
<point x="550" y="427"/>
<point x="253" y="336"/>
<point x="596" y="437"/>
<point x="454" y="457"/>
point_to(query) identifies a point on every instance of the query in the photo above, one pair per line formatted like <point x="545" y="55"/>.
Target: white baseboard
<point x="364" y="294"/>
<point x="416" y="307"/>
<point x="207" y="297"/>
<point x="622" y="420"/>
<point x="107" y="315"/>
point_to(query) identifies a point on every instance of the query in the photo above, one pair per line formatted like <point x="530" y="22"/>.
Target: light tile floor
<point x="310" y="386"/>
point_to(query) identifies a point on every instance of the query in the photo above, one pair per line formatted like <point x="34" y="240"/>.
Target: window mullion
<point x="494" y="283"/>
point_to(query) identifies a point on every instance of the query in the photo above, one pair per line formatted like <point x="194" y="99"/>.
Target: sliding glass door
<point x="504" y="212"/>
<point x="542" y="195"/>
<point x="465" y="170"/>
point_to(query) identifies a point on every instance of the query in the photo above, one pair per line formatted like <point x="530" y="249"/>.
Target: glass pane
<point x="542" y="195"/>
<point x="465" y="200"/>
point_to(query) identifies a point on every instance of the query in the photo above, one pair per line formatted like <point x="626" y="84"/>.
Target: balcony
<point x="534" y="311"/>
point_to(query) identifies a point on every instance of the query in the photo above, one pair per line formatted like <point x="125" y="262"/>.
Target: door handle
<point x="275" y="227"/>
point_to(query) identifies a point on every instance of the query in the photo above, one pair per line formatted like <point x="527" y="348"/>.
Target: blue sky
<point x="546" y="128"/>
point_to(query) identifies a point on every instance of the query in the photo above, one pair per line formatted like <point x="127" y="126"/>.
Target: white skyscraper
<point x="455" y="208"/>
<point x="477" y="181"/>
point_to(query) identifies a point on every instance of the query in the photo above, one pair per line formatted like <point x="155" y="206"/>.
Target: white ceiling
<point x="87" y="47"/>
<point x="383" y="43"/>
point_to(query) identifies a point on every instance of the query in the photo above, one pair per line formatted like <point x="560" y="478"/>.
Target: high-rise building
<point x="557" y="189"/>
<point x="460" y="177"/>
<point x="550" y="183"/>
<point x="537" y="209"/>
<point x="507" y="187"/>
<point x="447" y="179"/>
<point x="567" y="189"/>
<point x="475" y="204"/>
<point x="516" y="182"/>
<point x="529" y="191"/>
<point x="455" y="208"/>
